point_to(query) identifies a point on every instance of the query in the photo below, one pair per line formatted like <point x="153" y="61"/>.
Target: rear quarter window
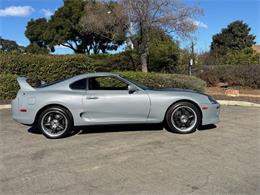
<point x="79" y="85"/>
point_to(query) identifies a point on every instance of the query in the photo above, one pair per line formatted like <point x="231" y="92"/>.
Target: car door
<point x="108" y="100"/>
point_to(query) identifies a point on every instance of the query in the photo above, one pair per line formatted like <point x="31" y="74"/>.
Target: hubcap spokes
<point x="54" y="123"/>
<point x="184" y="118"/>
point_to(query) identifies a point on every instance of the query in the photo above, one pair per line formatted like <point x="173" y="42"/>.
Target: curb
<point x="5" y="106"/>
<point x="238" y="103"/>
<point x="221" y="102"/>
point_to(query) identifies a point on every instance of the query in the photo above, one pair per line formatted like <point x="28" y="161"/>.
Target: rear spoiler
<point x="24" y="85"/>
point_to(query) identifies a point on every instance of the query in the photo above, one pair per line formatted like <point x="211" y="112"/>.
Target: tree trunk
<point x="144" y="59"/>
<point x="144" y="51"/>
<point x="144" y="48"/>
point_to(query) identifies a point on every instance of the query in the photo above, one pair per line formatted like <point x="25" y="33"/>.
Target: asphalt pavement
<point x="139" y="159"/>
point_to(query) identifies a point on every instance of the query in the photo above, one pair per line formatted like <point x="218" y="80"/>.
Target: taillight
<point x="205" y="107"/>
<point x="23" y="110"/>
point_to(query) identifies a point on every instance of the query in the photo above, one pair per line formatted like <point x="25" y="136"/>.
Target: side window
<point x="106" y="83"/>
<point x="79" y="85"/>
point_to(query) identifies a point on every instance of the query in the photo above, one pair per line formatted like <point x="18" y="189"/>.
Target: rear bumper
<point x="211" y="115"/>
<point x="21" y="117"/>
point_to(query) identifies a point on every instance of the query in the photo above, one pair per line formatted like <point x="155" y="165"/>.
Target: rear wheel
<point x="55" y="122"/>
<point x="183" y="117"/>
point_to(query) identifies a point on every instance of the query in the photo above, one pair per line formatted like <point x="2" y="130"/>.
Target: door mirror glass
<point x="132" y="88"/>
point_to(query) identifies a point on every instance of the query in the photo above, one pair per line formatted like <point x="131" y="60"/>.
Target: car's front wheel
<point x="55" y="122"/>
<point x="183" y="117"/>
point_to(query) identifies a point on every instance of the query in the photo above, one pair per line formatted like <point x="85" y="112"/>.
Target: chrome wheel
<point x="54" y="123"/>
<point x="184" y="118"/>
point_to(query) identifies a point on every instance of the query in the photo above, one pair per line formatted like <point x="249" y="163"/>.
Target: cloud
<point x="200" y="24"/>
<point x="19" y="11"/>
<point x="46" y="12"/>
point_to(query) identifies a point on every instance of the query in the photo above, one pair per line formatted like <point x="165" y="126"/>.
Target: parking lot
<point x="143" y="159"/>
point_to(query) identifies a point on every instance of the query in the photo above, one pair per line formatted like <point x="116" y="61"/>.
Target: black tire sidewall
<point x="67" y="115"/>
<point x="175" y="106"/>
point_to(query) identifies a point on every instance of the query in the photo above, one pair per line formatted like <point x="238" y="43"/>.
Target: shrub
<point x="246" y="57"/>
<point x="51" y="67"/>
<point x="161" y="80"/>
<point x="45" y="67"/>
<point x="127" y="61"/>
<point x="234" y="75"/>
<point x="9" y="85"/>
<point x="211" y="78"/>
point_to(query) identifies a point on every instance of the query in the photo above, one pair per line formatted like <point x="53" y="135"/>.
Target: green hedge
<point x="9" y="85"/>
<point x="50" y="68"/>
<point x="161" y="80"/>
<point x="45" y="67"/>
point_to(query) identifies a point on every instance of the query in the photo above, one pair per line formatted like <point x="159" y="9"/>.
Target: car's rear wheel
<point x="183" y="117"/>
<point x="55" y="122"/>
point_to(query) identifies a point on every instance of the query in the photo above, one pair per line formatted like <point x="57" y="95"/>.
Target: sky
<point x="14" y="15"/>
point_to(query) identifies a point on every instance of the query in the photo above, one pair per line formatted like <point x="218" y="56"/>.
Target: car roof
<point x="94" y="74"/>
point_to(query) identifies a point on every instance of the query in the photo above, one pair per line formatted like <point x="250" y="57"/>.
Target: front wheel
<point x="55" y="122"/>
<point x="183" y="117"/>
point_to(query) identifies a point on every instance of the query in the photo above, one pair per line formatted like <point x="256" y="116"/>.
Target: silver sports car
<point x="107" y="98"/>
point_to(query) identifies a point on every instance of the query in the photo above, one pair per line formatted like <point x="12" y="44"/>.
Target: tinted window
<point x="106" y="83"/>
<point x="49" y="84"/>
<point x="79" y="85"/>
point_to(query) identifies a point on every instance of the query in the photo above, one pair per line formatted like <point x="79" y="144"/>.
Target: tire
<point x="183" y="118"/>
<point x="55" y="122"/>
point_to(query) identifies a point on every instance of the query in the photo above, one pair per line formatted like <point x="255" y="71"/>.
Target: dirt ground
<point x="249" y="95"/>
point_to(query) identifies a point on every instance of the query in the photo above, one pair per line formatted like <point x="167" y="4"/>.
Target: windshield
<point x="136" y="83"/>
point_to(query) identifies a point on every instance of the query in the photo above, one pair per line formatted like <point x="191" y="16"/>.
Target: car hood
<point x="178" y="90"/>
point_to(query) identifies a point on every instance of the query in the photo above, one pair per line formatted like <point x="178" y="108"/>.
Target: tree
<point x="168" y="15"/>
<point x="36" y="33"/>
<point x="9" y="46"/>
<point x="164" y="52"/>
<point x="65" y="28"/>
<point x="107" y="21"/>
<point x="36" y="49"/>
<point x="235" y="37"/>
<point x="245" y="56"/>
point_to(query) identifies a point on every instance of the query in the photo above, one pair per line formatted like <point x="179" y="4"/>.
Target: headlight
<point x="212" y="100"/>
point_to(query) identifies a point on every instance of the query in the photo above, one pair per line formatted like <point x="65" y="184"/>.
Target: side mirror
<point x="132" y="89"/>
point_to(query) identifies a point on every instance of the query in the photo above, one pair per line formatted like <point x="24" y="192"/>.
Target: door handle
<point x="92" y="97"/>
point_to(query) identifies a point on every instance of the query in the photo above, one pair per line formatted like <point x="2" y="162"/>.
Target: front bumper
<point x="211" y="115"/>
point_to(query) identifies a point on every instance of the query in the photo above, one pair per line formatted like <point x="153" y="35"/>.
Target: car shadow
<point x="207" y="127"/>
<point x="108" y="128"/>
<point x="117" y="128"/>
<point x="34" y="130"/>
